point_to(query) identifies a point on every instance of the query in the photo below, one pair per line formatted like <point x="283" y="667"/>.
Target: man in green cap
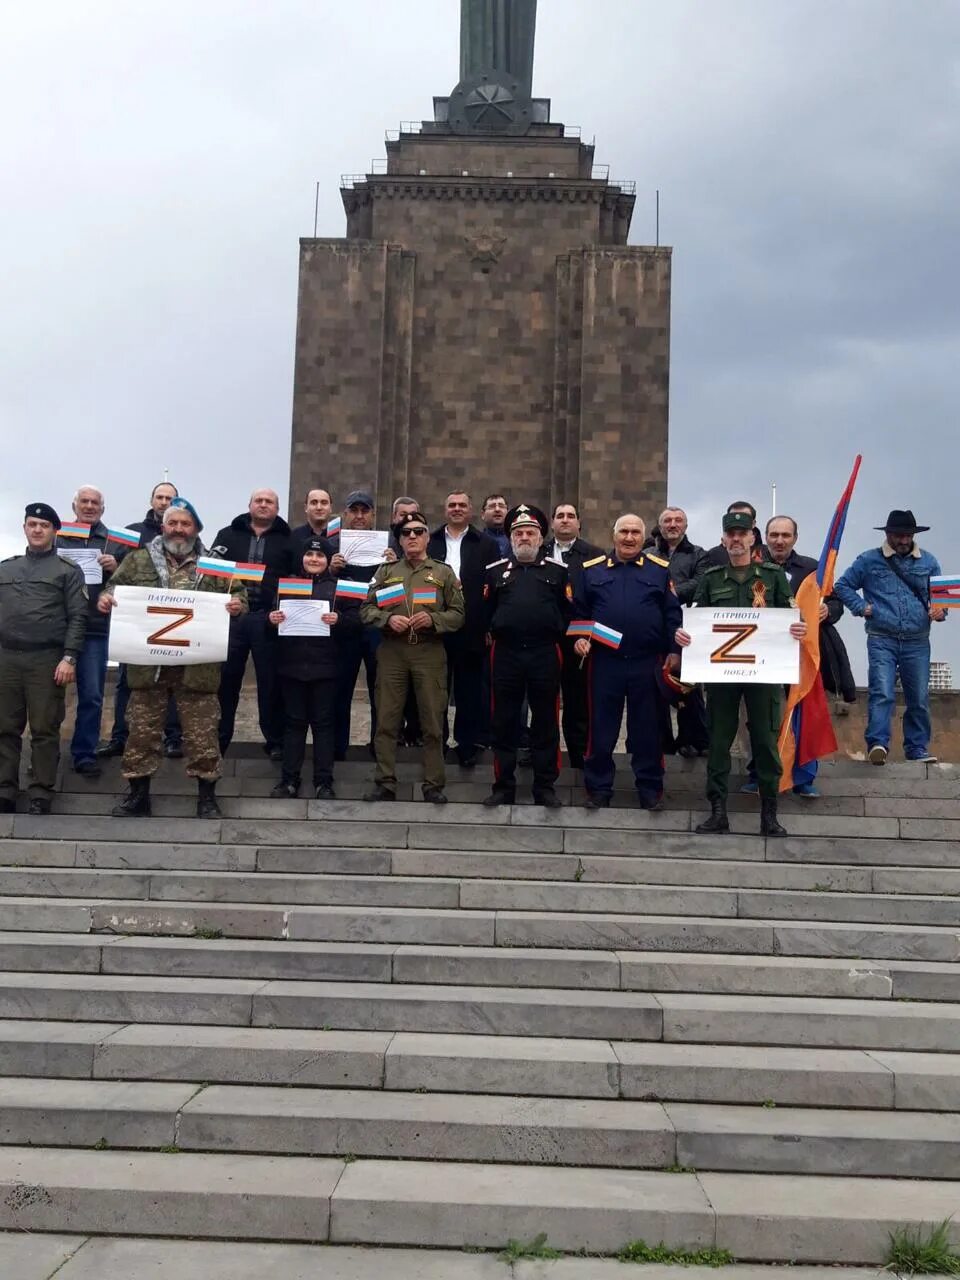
<point x="743" y="584"/>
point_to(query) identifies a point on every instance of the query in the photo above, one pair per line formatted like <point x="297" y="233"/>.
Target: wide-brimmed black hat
<point x="902" y="522"/>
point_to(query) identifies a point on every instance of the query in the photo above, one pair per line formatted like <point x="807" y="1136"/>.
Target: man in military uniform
<point x="528" y="606"/>
<point x="630" y="595"/>
<point x="171" y="561"/>
<point x="43" y="621"/>
<point x="743" y="584"/>
<point x="413" y="604"/>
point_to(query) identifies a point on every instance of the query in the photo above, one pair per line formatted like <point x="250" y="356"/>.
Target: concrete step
<point x="387" y="1202"/>
<point x="96" y="1258"/>
<point x="381" y="847"/>
<point x="705" y="1019"/>
<point x="481" y="966"/>
<point x="497" y="1129"/>
<point x="456" y="927"/>
<point x="486" y="1064"/>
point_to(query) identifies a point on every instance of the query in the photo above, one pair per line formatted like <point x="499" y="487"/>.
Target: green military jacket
<point x="139" y="570"/>
<point x="43" y="604"/>
<point x="765" y="586"/>
<point x="446" y="609"/>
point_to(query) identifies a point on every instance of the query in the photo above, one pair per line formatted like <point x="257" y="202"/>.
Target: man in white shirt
<point x="467" y="552"/>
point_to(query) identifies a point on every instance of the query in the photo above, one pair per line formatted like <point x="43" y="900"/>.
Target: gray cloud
<point x="160" y="161"/>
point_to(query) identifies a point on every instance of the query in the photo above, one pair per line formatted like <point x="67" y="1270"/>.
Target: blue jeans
<point x="91" y="677"/>
<point x="886" y="655"/>
<point x="360" y="652"/>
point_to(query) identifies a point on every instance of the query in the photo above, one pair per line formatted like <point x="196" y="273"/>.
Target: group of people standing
<point x="505" y="620"/>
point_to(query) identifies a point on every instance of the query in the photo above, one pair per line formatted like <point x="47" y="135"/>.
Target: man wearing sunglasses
<point x="413" y="604"/>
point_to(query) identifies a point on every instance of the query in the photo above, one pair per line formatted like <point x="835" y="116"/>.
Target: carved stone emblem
<point x="484" y="244"/>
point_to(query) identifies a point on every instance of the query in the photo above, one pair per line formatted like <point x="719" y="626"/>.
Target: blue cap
<point x="182" y="504"/>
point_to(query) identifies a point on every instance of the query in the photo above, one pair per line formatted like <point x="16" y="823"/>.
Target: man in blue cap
<point x="43" y="621"/>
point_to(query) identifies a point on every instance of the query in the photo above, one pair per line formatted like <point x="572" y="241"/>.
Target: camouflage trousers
<point x="147" y="714"/>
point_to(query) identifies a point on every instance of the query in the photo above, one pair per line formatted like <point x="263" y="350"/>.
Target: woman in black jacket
<point x="307" y="667"/>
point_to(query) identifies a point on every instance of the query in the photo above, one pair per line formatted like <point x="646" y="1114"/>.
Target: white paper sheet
<point x="85" y="558"/>
<point x="363" y="546"/>
<point x="740" y="646"/>
<point x="304" y="617"/>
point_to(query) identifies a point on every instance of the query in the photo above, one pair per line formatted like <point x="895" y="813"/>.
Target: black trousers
<point x="308" y="704"/>
<point x="249" y="638"/>
<point x="465" y="687"/>
<point x="692" y="722"/>
<point x="533" y="674"/>
<point x="350" y="657"/>
<point x="576" y="715"/>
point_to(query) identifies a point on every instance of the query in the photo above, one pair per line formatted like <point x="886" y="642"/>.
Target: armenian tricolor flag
<point x="124" y="537"/>
<point x="606" y="636"/>
<point x="348" y="590"/>
<point x="333" y="527"/>
<point x="295" y="587"/>
<point x="425" y="596"/>
<point x="805" y="731"/>
<point x="211" y="567"/>
<point x="244" y="572"/>
<point x="388" y="596"/>
<point x="73" y="529"/>
<point x="581" y="629"/>
<point x="945" y="591"/>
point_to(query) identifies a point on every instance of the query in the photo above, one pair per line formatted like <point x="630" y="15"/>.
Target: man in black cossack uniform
<point x="529" y="603"/>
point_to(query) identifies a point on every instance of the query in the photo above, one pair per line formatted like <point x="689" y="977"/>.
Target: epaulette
<point x="714" y="568"/>
<point x="664" y="564"/>
<point x="596" y="560"/>
<point x="496" y="563"/>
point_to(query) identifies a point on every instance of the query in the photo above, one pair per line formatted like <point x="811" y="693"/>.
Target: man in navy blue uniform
<point x="629" y="593"/>
<point x="527" y="600"/>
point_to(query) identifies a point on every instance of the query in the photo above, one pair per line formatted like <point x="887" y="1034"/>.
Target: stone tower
<point x="484" y="323"/>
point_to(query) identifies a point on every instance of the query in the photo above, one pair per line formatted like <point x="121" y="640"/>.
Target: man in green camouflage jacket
<point x="171" y="561"/>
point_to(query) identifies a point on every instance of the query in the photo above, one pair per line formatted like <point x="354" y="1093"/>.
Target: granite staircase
<point x="404" y="1025"/>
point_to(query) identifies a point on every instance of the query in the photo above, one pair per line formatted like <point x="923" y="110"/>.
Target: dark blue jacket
<point x="635" y="598"/>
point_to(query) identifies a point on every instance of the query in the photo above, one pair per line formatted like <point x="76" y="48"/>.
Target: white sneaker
<point x="877" y="754"/>
<point x="925" y="759"/>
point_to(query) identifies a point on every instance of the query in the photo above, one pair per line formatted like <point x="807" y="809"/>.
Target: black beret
<point x="42" y="511"/>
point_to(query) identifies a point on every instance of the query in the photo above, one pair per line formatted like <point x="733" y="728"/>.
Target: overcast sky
<point x="159" y="161"/>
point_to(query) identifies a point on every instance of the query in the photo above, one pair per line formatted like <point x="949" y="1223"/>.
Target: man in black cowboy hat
<point x="528" y="608"/>
<point x="889" y="587"/>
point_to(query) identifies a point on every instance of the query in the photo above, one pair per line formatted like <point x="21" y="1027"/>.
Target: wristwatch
<point x="67" y="658"/>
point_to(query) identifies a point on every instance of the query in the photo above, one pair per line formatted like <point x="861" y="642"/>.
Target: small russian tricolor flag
<point x="425" y="595"/>
<point x="211" y="567"/>
<point x="945" y="591"/>
<point x="582" y="629"/>
<point x="333" y="527"/>
<point x="388" y="596"/>
<point x="349" y="590"/>
<point x="244" y="572"/>
<point x="607" y="636"/>
<point x="125" y="537"/>
<point x="295" y="586"/>
<point x="73" y="529"/>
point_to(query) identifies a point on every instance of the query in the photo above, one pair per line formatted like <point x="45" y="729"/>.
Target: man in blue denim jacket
<point x="889" y="587"/>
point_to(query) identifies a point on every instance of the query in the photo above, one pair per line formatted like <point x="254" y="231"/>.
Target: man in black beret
<point x="43" y="621"/>
<point x="528" y="600"/>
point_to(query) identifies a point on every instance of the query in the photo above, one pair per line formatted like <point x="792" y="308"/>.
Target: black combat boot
<point x="718" y="822"/>
<point x="207" y="806"/>
<point x="136" y="804"/>
<point x="769" y="826"/>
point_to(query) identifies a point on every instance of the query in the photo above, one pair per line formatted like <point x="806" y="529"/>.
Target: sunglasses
<point x="414" y="531"/>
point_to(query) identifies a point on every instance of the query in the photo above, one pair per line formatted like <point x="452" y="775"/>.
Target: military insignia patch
<point x="759" y="594"/>
<point x="568" y="591"/>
